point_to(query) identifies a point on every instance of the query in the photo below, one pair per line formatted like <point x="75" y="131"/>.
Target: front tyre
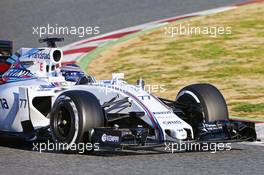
<point x="206" y="100"/>
<point x="207" y="97"/>
<point x="73" y="115"/>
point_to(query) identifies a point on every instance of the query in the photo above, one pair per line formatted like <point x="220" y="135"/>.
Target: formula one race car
<point x="40" y="98"/>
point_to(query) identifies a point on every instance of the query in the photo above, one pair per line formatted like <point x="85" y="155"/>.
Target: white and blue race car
<point x="40" y="98"/>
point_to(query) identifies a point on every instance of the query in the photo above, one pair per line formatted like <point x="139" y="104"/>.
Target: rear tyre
<point x="73" y="116"/>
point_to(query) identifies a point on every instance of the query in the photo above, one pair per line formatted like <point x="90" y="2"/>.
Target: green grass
<point x="210" y="51"/>
<point x="249" y="108"/>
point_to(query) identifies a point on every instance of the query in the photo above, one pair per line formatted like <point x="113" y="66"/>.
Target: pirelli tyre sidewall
<point x="73" y="115"/>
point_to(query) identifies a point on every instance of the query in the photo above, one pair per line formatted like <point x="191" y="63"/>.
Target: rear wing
<point x="6" y="49"/>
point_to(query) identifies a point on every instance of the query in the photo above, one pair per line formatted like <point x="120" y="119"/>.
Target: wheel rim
<point x="195" y="113"/>
<point x="64" y="122"/>
<point x="189" y="100"/>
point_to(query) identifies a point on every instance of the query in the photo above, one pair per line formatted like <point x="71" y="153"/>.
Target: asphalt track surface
<point x="242" y="159"/>
<point x="17" y="19"/>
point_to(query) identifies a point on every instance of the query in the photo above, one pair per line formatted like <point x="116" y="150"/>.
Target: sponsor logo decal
<point x="162" y="112"/>
<point x="110" y="138"/>
<point x="40" y="55"/>
<point x="175" y="122"/>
